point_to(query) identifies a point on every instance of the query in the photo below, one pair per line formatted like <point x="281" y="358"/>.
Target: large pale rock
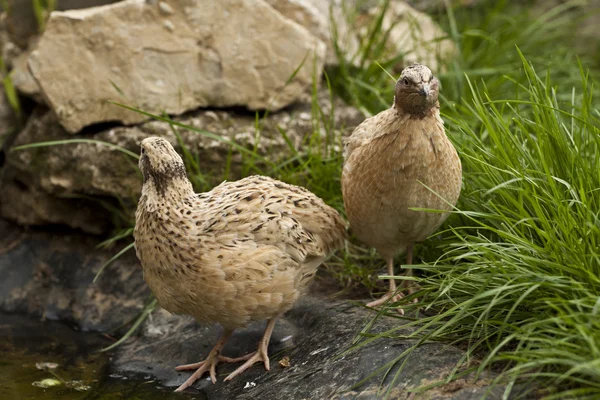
<point x="22" y="23"/>
<point x="326" y="19"/>
<point x="87" y="169"/>
<point x="345" y="23"/>
<point x="171" y="56"/>
<point x="412" y="33"/>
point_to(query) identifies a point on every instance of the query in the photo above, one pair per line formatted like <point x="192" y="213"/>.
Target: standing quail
<point x="245" y="251"/>
<point x="396" y="160"/>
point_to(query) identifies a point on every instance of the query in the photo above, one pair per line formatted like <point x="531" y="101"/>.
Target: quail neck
<point x="165" y="178"/>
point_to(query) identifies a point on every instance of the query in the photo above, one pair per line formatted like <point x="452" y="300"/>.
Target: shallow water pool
<point x="49" y="360"/>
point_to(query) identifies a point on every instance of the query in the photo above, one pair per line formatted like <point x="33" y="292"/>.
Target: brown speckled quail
<point x="245" y="251"/>
<point x="396" y="160"/>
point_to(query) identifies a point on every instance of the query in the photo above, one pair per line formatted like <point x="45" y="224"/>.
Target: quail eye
<point x="405" y="81"/>
<point x="143" y="150"/>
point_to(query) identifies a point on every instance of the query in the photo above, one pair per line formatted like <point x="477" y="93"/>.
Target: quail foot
<point x="397" y="160"/>
<point x="245" y="251"/>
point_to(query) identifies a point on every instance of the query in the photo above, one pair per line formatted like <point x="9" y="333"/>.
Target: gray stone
<point x="76" y="169"/>
<point x="49" y="274"/>
<point x="216" y="54"/>
<point x="22" y="23"/>
<point x="412" y="33"/>
<point x="27" y="204"/>
<point x="317" y="16"/>
<point x="57" y="174"/>
<point x="315" y="336"/>
<point x="21" y="76"/>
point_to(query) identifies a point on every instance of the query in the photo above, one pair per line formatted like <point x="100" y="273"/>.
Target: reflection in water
<point x="48" y="360"/>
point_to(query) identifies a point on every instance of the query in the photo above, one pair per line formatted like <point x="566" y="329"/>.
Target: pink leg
<point x="261" y="354"/>
<point x="209" y="365"/>
<point x="391" y="296"/>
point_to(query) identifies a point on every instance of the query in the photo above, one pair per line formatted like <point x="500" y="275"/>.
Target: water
<point x="37" y="354"/>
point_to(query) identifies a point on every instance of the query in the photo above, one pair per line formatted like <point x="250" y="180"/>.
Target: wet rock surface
<point x="49" y="275"/>
<point x="313" y="336"/>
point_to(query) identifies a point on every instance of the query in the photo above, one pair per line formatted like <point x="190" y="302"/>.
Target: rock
<point x="317" y="16"/>
<point x="228" y="53"/>
<point x="27" y="204"/>
<point x="412" y="33"/>
<point x="21" y="76"/>
<point x="88" y="169"/>
<point x="313" y="336"/>
<point x="50" y="274"/>
<point x="76" y="169"/>
<point x="22" y="23"/>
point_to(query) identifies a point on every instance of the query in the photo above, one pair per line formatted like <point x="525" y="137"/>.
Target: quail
<point x="394" y="162"/>
<point x="244" y="251"/>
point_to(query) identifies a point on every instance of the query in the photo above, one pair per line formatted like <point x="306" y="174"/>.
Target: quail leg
<point x="209" y="365"/>
<point x="261" y="354"/>
<point x="410" y="286"/>
<point x="391" y="295"/>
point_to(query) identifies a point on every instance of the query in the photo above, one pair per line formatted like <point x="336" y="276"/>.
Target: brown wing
<point x="271" y="212"/>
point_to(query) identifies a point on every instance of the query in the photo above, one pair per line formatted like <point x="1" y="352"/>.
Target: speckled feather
<point x="394" y="161"/>
<point x="244" y="251"/>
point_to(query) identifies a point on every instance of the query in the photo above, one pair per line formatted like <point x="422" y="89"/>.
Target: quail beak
<point x="425" y="90"/>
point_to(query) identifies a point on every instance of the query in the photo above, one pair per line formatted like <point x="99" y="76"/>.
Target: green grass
<point x="513" y="276"/>
<point x="516" y="279"/>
